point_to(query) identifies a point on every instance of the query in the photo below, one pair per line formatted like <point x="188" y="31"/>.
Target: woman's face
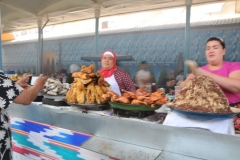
<point x="214" y="52"/>
<point x="107" y="62"/>
<point x="168" y="83"/>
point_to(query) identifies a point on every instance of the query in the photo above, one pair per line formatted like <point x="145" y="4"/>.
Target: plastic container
<point x="161" y="89"/>
<point x="177" y="90"/>
<point x="64" y="79"/>
<point x="149" y="87"/>
<point x="154" y="87"/>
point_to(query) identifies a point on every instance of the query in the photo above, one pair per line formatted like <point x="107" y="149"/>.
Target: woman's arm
<point x="189" y="78"/>
<point x="27" y="96"/>
<point x="230" y="83"/>
<point x="128" y="83"/>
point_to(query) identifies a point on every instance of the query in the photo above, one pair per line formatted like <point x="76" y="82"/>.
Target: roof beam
<point x="17" y="8"/>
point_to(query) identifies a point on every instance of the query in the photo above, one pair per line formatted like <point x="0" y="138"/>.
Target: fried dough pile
<point x="16" y="77"/>
<point x="203" y="95"/>
<point x="88" y="87"/>
<point x="141" y="97"/>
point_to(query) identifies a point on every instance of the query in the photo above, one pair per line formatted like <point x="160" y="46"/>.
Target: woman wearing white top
<point x="116" y="77"/>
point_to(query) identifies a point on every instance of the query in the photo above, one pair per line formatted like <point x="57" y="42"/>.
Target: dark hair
<point x="165" y="80"/>
<point x="217" y="39"/>
<point x="143" y="62"/>
<point x="63" y="71"/>
<point x="180" y="71"/>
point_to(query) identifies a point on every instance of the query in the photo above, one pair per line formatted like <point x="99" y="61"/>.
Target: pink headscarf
<point x="109" y="73"/>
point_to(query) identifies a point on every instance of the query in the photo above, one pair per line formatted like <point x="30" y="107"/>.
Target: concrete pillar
<point x="40" y="46"/>
<point x="97" y="11"/>
<point x="187" y="34"/>
<point x="2" y="26"/>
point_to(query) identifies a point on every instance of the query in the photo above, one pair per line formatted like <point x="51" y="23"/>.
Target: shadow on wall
<point x="49" y="63"/>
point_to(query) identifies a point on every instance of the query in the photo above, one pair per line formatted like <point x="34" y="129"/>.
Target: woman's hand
<point x="27" y="96"/>
<point x="23" y="82"/>
<point x="189" y="78"/>
<point x="202" y="72"/>
<point x="40" y="81"/>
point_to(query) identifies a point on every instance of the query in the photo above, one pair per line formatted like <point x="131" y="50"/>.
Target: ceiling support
<point x="97" y="11"/>
<point x="40" y="44"/>
<point x="237" y="8"/>
<point x="2" y="26"/>
<point x="187" y="34"/>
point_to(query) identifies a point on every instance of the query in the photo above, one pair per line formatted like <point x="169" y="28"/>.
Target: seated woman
<point x="62" y="76"/>
<point x="116" y="77"/>
<point x="170" y="75"/>
<point x="168" y="86"/>
<point x="73" y="68"/>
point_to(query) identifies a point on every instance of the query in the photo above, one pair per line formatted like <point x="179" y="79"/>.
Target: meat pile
<point x="203" y="95"/>
<point x="54" y="88"/>
<point x="88" y="87"/>
<point x="141" y="97"/>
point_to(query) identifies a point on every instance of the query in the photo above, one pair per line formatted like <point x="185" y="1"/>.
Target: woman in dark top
<point x="11" y="91"/>
<point x="168" y="86"/>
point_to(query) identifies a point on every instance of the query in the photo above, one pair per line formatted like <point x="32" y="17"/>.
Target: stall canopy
<point x="19" y="15"/>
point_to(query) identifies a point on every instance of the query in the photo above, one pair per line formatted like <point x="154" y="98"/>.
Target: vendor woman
<point x="116" y="77"/>
<point x="225" y="74"/>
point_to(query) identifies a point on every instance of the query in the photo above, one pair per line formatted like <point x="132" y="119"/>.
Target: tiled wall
<point x="157" y="48"/>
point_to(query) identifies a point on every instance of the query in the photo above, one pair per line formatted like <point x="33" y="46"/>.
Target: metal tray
<point x="133" y="107"/>
<point x="54" y="97"/>
<point x="90" y="106"/>
<point x="204" y="116"/>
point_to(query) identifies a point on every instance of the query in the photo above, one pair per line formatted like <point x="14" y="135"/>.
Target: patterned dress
<point x="8" y="91"/>
<point x="124" y="81"/>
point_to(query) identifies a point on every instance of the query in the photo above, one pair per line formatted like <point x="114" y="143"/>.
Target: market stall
<point x="122" y="138"/>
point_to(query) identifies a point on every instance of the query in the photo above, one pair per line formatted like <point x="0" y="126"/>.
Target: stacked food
<point x="16" y="77"/>
<point x="88" y="87"/>
<point x="203" y="95"/>
<point x="141" y="97"/>
<point x="54" y="88"/>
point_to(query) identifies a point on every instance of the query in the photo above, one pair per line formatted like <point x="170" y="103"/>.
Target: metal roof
<point x="23" y="14"/>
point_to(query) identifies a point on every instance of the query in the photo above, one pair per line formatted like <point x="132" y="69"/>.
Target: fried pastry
<point x="91" y="94"/>
<point x="88" y="69"/>
<point x="88" y="87"/>
<point x="99" y="94"/>
<point x="100" y="81"/>
<point x="80" y="75"/>
<point x="80" y="96"/>
<point x="104" y="89"/>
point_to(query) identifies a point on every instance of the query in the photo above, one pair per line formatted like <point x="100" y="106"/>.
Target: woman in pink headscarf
<point x="116" y="77"/>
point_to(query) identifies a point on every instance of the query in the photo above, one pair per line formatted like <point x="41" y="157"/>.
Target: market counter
<point x="125" y="138"/>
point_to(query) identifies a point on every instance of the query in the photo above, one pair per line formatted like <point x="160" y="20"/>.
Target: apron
<point x="113" y="84"/>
